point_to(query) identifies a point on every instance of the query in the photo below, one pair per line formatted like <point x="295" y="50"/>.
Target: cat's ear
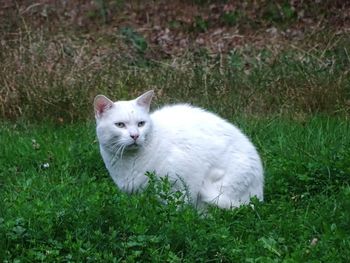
<point x="145" y="100"/>
<point x="101" y="105"/>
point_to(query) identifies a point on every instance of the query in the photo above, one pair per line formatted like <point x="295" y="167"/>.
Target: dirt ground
<point x="164" y="29"/>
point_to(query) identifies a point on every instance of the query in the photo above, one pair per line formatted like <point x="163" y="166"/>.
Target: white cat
<point x="218" y="164"/>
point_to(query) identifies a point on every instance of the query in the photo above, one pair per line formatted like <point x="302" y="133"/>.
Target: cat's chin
<point x="133" y="147"/>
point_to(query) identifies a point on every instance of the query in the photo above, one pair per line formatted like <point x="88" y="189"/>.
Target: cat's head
<point x="123" y="125"/>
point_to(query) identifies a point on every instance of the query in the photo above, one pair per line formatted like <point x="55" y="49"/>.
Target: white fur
<point x="216" y="161"/>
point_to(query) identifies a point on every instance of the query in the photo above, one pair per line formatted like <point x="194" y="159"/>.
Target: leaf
<point x="270" y="245"/>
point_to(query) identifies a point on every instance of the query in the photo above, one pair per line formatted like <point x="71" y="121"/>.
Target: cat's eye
<point x="120" y="124"/>
<point x="141" y="123"/>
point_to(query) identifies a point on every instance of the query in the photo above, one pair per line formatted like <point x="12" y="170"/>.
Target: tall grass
<point x="57" y="76"/>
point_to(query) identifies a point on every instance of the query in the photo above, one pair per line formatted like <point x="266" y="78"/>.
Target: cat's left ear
<point x="145" y="100"/>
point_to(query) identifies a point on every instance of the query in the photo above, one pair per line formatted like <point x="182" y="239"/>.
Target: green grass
<point x="71" y="211"/>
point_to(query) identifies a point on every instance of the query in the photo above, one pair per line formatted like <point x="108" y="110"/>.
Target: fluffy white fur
<point x="216" y="161"/>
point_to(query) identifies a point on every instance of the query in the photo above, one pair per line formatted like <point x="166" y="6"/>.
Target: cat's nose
<point x="134" y="136"/>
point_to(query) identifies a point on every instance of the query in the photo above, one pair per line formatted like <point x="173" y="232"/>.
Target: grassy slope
<point x="71" y="211"/>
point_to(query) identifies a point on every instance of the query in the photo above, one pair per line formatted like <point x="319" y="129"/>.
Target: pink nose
<point x="134" y="136"/>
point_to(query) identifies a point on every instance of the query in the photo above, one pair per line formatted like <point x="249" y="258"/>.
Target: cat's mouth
<point x="133" y="146"/>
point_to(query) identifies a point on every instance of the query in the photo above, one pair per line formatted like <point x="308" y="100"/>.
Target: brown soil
<point x="172" y="28"/>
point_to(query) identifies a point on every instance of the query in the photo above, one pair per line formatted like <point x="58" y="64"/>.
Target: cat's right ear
<point x="101" y="105"/>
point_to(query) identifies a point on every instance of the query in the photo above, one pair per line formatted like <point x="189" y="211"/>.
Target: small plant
<point x="279" y="13"/>
<point x="200" y="24"/>
<point x="230" y="18"/>
<point x="137" y="40"/>
<point x="172" y="194"/>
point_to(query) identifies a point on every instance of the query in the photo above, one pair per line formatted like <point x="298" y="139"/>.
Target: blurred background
<point x="256" y="58"/>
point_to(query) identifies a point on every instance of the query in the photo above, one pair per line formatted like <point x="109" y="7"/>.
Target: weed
<point x="136" y="39"/>
<point x="279" y="13"/>
<point x="200" y="24"/>
<point x="230" y="18"/>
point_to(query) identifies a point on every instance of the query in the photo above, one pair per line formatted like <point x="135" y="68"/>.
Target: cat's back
<point x="184" y="116"/>
<point x="180" y="114"/>
<point x="182" y="121"/>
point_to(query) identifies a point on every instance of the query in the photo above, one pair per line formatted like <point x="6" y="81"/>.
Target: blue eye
<point x="141" y="123"/>
<point x="120" y="124"/>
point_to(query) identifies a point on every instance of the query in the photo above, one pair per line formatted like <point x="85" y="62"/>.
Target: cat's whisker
<point x="116" y="148"/>
<point x="113" y="146"/>
<point x="118" y="152"/>
<point x="122" y="151"/>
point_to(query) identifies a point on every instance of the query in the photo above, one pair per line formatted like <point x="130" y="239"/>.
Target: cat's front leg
<point x="136" y="181"/>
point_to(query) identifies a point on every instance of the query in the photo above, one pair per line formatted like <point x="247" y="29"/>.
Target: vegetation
<point x="277" y="69"/>
<point x="58" y="202"/>
<point x="290" y="61"/>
